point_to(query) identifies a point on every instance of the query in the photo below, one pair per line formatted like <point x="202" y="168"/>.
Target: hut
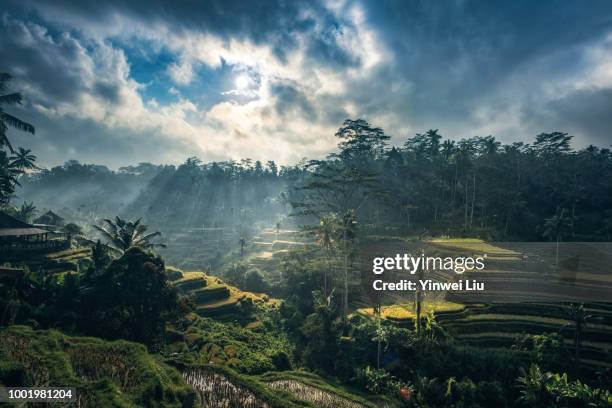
<point x="50" y="219"/>
<point x="18" y="236"/>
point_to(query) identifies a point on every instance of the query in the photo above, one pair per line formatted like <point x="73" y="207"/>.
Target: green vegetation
<point x="106" y="374"/>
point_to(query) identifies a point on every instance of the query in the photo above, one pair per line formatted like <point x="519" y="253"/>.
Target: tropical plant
<point x="556" y="227"/>
<point x="539" y="389"/>
<point x="532" y="386"/>
<point x="325" y="237"/>
<point x="99" y="256"/>
<point x="7" y="120"/>
<point x="11" y="167"/>
<point x="348" y="234"/>
<point x="23" y="159"/>
<point x="432" y="330"/>
<point x="122" y="235"/>
<point x="242" y="242"/>
<point x="580" y="318"/>
<point x="26" y="212"/>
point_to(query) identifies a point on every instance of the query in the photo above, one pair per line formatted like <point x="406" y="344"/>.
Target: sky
<point x="122" y="82"/>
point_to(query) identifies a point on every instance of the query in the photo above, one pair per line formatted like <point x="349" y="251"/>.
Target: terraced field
<point x="400" y="312"/>
<point x="221" y="387"/>
<point x="319" y="392"/>
<point x="213" y="297"/>
<point x="60" y="261"/>
<point x="524" y="293"/>
<point x="198" y="248"/>
<point x="269" y="247"/>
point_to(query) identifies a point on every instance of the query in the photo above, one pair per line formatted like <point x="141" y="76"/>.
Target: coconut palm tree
<point x="325" y="234"/>
<point x="7" y="120"/>
<point x="579" y="318"/>
<point x="122" y="235"/>
<point x="27" y="211"/>
<point x="23" y="159"/>
<point x="348" y="234"/>
<point x="556" y="227"/>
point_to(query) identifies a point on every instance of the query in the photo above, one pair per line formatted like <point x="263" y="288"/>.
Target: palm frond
<point x="5" y="78"/>
<point x="16" y="123"/>
<point x="11" y="99"/>
<point x="147" y="237"/>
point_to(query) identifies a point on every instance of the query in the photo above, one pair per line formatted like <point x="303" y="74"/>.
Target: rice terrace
<point x="323" y="204"/>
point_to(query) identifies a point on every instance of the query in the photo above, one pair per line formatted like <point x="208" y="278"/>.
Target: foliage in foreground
<point x="249" y="351"/>
<point x="106" y="374"/>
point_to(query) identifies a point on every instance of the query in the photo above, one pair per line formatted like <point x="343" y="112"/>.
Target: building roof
<point x="6" y="221"/>
<point x="12" y="227"/>
<point x="50" y="218"/>
<point x="20" y="232"/>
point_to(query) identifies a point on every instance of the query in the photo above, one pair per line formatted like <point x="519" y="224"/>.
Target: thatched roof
<point x="6" y="221"/>
<point x="50" y="218"/>
<point x="12" y="227"/>
<point x="21" y="232"/>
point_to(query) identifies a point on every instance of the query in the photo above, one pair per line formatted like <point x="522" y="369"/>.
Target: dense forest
<point x="472" y="187"/>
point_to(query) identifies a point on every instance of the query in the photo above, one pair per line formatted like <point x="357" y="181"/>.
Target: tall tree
<point x="11" y="167"/>
<point x="348" y="234"/>
<point x="556" y="227"/>
<point x="325" y="236"/>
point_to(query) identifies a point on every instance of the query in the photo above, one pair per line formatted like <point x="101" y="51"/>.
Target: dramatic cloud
<point x="121" y="82"/>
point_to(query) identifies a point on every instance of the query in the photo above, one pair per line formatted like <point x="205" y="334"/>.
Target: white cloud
<point x="181" y="73"/>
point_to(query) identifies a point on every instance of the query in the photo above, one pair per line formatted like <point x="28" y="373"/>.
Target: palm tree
<point x="122" y="235"/>
<point x="532" y="386"/>
<point x="348" y="229"/>
<point x="23" y="159"/>
<point x="8" y="180"/>
<point x="579" y="318"/>
<point x="556" y="227"/>
<point x="242" y="243"/>
<point x="99" y="256"/>
<point x="325" y="234"/>
<point x="7" y="120"/>
<point x="380" y="334"/>
<point x="27" y="211"/>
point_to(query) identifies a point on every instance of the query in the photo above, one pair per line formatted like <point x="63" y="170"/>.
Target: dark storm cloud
<point x="56" y="67"/>
<point x="29" y="52"/>
<point x="456" y="55"/>
<point x="267" y="21"/>
<point x="586" y="112"/>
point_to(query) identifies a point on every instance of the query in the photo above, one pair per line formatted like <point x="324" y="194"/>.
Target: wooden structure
<point x="51" y="219"/>
<point x="18" y="236"/>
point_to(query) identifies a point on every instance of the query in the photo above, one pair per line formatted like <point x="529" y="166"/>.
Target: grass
<point x="105" y="374"/>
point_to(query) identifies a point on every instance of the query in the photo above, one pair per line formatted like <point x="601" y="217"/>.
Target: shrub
<point x="281" y="361"/>
<point x="255" y="282"/>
